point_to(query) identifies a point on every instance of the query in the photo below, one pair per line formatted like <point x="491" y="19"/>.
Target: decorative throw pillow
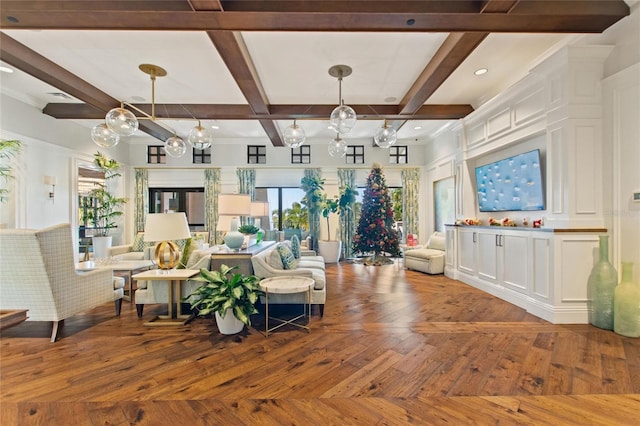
<point x="286" y="255"/>
<point x="138" y="242"/>
<point x="186" y="252"/>
<point x="274" y="260"/>
<point x="181" y="243"/>
<point x="295" y="246"/>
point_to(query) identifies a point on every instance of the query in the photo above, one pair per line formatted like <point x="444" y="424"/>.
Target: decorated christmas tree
<point x="375" y="231"/>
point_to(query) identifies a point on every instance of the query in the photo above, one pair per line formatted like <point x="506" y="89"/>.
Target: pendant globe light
<point x="175" y="147"/>
<point x="294" y="136"/>
<point x="343" y="117"/>
<point x="103" y="136"/>
<point x="121" y="121"/>
<point x="200" y="137"/>
<point x="337" y="147"/>
<point x="385" y="136"/>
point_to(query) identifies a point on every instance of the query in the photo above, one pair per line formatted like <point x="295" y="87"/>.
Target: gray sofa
<point x="267" y="264"/>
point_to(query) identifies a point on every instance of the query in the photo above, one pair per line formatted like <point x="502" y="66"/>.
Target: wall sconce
<point x="51" y="180"/>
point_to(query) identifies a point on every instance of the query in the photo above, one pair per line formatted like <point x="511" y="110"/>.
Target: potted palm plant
<point x="230" y="296"/>
<point x="106" y="205"/>
<point x="330" y="249"/>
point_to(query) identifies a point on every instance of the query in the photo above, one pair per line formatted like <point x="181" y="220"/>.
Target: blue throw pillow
<point x="295" y="246"/>
<point x="288" y="260"/>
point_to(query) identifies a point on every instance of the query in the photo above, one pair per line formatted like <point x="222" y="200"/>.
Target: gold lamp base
<point x="167" y="255"/>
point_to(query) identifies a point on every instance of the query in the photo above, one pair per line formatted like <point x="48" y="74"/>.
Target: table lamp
<point x="259" y="209"/>
<point x="165" y="228"/>
<point x="234" y="205"/>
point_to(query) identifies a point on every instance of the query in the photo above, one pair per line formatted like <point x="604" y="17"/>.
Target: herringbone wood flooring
<point x="394" y="347"/>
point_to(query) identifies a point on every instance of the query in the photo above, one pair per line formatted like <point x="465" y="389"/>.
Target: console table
<point x="240" y="258"/>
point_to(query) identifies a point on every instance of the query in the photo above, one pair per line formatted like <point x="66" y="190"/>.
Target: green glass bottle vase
<point x="601" y="287"/>
<point x="626" y="304"/>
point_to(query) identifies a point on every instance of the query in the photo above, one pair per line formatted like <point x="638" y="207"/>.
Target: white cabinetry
<point x="542" y="271"/>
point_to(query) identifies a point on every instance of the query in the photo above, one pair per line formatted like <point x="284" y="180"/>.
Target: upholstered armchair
<point x="38" y="274"/>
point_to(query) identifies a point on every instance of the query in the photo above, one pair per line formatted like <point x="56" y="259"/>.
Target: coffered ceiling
<point x="248" y="68"/>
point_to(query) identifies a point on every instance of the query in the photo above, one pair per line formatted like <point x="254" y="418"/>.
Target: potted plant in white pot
<point x="106" y="207"/>
<point x="250" y="233"/>
<point x="231" y="296"/>
<point x="330" y="249"/>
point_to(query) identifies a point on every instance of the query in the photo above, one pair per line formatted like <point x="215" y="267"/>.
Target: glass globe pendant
<point x="200" y="137"/>
<point x="121" y="121"/>
<point x="385" y="136"/>
<point x="337" y="147"/>
<point x="343" y="118"/>
<point x="294" y="136"/>
<point x="175" y="147"/>
<point x="103" y="136"/>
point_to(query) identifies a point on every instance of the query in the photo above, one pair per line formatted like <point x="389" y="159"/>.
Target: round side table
<point x="287" y="285"/>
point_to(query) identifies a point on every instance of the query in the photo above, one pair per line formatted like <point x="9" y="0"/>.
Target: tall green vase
<point x="601" y="286"/>
<point x="626" y="304"/>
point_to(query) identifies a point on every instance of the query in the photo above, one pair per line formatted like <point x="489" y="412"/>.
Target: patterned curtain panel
<point x="314" y="220"/>
<point x="347" y="220"/>
<point x="410" y="191"/>
<point x="141" y="199"/>
<point x="246" y="185"/>
<point x="211" y="191"/>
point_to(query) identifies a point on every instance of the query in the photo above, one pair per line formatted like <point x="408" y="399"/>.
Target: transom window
<point x="399" y="154"/>
<point x="202" y="156"/>
<point x="301" y="155"/>
<point x="257" y="154"/>
<point x="156" y="154"/>
<point x="355" y="154"/>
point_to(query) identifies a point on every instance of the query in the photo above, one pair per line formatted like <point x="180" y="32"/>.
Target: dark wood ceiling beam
<point x="205" y="5"/>
<point x="579" y="20"/>
<point x="99" y="5"/>
<point x="352" y="6"/>
<point x="278" y="112"/>
<point x="20" y="56"/>
<point x="453" y="51"/>
<point x="234" y="53"/>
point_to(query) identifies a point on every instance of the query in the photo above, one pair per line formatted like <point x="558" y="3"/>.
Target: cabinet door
<point x="450" y="241"/>
<point x="488" y="255"/>
<point x="466" y="251"/>
<point x="515" y="261"/>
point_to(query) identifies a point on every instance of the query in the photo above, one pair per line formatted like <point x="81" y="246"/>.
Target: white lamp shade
<point x="166" y="227"/>
<point x="224" y="223"/>
<point x="259" y="208"/>
<point x="234" y="205"/>
<point x="49" y="180"/>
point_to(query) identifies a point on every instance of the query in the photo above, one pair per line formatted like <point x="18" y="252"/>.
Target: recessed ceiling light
<point x="215" y="127"/>
<point x="417" y="128"/>
<point x="390" y="99"/>
<point x="138" y="98"/>
<point x="6" y="69"/>
<point x="481" y="71"/>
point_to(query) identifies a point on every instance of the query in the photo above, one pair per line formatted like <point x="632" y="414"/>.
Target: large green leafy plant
<point x="224" y="290"/>
<point x="107" y="205"/>
<point x="8" y="149"/>
<point x="340" y="204"/>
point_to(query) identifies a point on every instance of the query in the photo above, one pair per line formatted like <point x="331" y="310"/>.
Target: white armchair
<point x="38" y="274"/>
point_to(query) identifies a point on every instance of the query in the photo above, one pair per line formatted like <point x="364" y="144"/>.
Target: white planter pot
<point x="101" y="247"/>
<point x="229" y="324"/>
<point x="330" y="250"/>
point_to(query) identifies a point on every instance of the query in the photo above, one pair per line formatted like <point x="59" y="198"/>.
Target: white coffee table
<point x="174" y="279"/>
<point x="287" y="285"/>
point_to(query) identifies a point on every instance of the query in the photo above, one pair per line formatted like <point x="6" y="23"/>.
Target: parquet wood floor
<point x="394" y="347"/>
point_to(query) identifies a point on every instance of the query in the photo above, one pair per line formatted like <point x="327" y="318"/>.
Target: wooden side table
<point x="174" y="279"/>
<point x="287" y="285"/>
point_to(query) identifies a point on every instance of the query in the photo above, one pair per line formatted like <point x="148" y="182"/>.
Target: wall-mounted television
<point x="511" y="184"/>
